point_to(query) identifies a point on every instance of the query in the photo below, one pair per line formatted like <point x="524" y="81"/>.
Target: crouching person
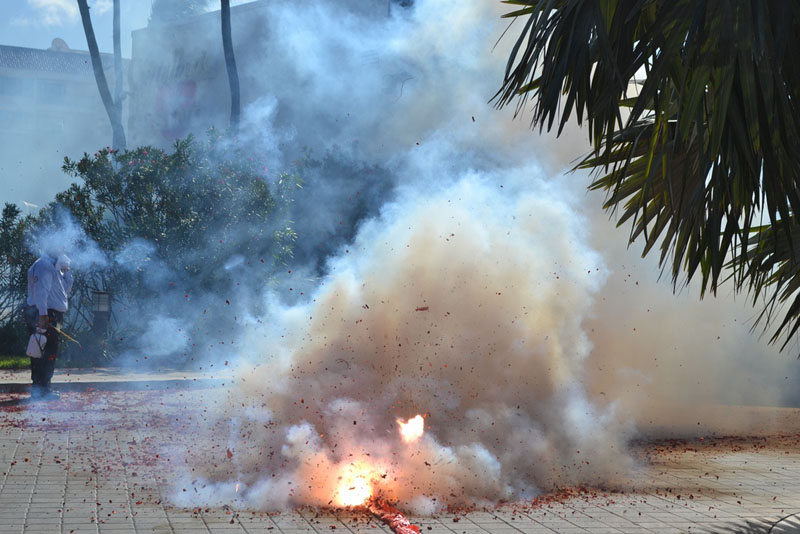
<point x="49" y="285"/>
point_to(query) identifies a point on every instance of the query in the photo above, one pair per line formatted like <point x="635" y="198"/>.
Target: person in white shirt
<point x="49" y="284"/>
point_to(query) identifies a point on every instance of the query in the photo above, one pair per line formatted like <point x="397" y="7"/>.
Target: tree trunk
<point x="118" y="76"/>
<point x="100" y="77"/>
<point x="230" y="63"/>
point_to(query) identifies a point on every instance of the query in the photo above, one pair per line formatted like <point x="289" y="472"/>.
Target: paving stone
<point x="85" y="472"/>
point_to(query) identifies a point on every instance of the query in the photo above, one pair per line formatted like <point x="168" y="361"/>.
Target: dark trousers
<point x="42" y="368"/>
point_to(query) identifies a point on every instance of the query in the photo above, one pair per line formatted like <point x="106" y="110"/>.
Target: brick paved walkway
<point x="90" y="463"/>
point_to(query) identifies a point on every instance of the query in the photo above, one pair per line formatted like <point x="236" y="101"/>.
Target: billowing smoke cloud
<point x="61" y="234"/>
<point x="464" y="302"/>
<point x="445" y="267"/>
<point x="490" y="295"/>
<point x="677" y="365"/>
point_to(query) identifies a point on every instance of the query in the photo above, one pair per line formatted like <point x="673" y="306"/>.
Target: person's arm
<point x="68" y="281"/>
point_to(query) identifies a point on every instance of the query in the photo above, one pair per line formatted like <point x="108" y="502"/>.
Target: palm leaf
<point x="710" y="141"/>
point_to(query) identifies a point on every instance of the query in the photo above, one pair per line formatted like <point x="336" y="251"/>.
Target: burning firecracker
<point x="391" y="516"/>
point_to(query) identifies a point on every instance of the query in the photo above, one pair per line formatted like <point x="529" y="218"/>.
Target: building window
<point x="51" y="92"/>
<point x="12" y="86"/>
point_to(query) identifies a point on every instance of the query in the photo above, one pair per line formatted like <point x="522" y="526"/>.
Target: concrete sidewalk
<point x="99" y="462"/>
<point x="116" y="379"/>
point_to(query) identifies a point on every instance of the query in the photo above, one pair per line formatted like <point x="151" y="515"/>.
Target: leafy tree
<point x="197" y="205"/>
<point x="181" y="221"/>
<point x="162" y="220"/>
<point x="14" y="262"/>
<point x="13" y="258"/>
<point x="692" y="111"/>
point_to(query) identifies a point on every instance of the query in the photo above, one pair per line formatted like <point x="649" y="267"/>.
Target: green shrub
<point x="15" y="362"/>
<point x="193" y="207"/>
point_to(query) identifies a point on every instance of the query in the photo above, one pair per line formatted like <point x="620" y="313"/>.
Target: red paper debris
<point x="391" y="516"/>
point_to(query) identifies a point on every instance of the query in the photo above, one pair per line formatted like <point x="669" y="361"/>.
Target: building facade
<point x="49" y="108"/>
<point x="178" y="77"/>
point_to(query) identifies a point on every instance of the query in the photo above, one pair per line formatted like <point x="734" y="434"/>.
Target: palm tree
<point x="691" y="111"/>
<point x="230" y="62"/>
<point x="118" y="82"/>
<point x="113" y="110"/>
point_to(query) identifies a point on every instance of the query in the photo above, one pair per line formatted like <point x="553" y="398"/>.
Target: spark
<point x="412" y="429"/>
<point x="355" y="487"/>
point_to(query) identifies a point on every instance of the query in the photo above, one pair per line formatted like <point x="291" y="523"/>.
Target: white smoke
<point x="464" y="302"/>
<point x="486" y="295"/>
<point x="63" y="235"/>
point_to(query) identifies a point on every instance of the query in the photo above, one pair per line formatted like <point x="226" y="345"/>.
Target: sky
<point x="35" y="23"/>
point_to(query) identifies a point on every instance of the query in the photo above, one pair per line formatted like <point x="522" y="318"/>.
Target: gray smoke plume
<point x="476" y="298"/>
<point x="434" y="309"/>
<point x="446" y="268"/>
<point x="489" y="295"/>
<point x="61" y="234"/>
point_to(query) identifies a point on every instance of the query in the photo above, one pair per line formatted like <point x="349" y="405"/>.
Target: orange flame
<point x="412" y="429"/>
<point x="355" y="487"/>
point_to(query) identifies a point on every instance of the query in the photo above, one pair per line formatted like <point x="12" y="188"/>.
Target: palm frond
<point x="709" y="141"/>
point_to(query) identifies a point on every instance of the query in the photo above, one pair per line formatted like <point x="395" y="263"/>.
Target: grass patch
<point x="15" y="362"/>
<point x="23" y="362"/>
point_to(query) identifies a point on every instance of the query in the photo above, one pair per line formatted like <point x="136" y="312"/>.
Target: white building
<point x="178" y="78"/>
<point x="49" y="108"/>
